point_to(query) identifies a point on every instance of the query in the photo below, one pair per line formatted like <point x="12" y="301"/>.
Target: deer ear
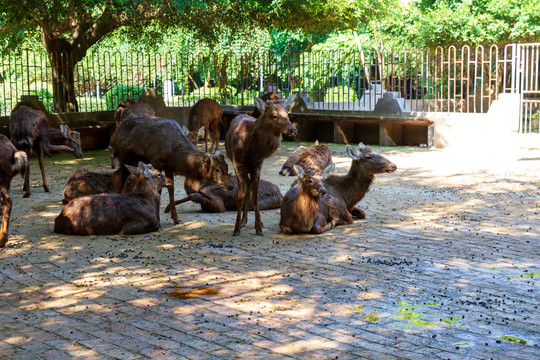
<point x="353" y="153"/>
<point x="259" y="104"/>
<point x="64" y="129"/>
<point x="316" y="143"/>
<point x="299" y="171"/>
<point x="328" y="170"/>
<point x="288" y="102"/>
<point x="132" y="169"/>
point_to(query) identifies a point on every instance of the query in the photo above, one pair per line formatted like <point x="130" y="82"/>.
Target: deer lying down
<point x="308" y="209"/>
<point x="315" y="157"/>
<point x="12" y="162"/>
<point x="129" y="213"/>
<point x="352" y="187"/>
<point x="214" y="199"/>
<point x="84" y="182"/>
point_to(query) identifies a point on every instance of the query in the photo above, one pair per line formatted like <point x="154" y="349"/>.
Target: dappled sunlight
<point x="442" y="258"/>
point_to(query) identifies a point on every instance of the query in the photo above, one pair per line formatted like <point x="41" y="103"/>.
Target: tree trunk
<point x="63" y="66"/>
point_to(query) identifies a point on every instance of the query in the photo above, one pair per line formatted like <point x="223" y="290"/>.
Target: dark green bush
<point x="120" y="93"/>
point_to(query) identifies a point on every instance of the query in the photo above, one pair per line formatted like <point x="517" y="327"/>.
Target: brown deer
<point x="308" y="209"/>
<point x="205" y="113"/>
<point x="352" y="187"/>
<point x="83" y="182"/>
<point x="136" y="109"/>
<point x="214" y="199"/>
<point x="315" y="157"/>
<point x="131" y="213"/>
<point x="30" y="131"/>
<point x="265" y="97"/>
<point x="163" y="143"/>
<point x="248" y="142"/>
<point x="12" y="162"/>
<point x="120" y="109"/>
<point x="66" y="140"/>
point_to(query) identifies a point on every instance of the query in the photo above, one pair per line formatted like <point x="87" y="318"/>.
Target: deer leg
<point x="358" y="213"/>
<point x="42" y="167"/>
<point x="7" y="204"/>
<point x="247" y="201"/>
<point x="59" y="148"/>
<point x="321" y="225"/>
<point x="177" y="202"/>
<point x="241" y="197"/>
<point x="174" y="214"/>
<point x="26" y="185"/>
<point x="256" y="177"/>
<point x="285" y="229"/>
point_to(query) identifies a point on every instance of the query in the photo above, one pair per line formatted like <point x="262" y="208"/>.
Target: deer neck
<point x="355" y="184"/>
<point x="264" y="137"/>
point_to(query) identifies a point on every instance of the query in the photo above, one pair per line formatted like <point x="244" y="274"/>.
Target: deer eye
<point x="310" y="182"/>
<point x="218" y="171"/>
<point x="275" y="118"/>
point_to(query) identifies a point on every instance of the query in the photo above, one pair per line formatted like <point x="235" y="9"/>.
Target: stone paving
<point x="445" y="266"/>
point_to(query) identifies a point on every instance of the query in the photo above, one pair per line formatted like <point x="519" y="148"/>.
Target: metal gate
<point x="525" y="80"/>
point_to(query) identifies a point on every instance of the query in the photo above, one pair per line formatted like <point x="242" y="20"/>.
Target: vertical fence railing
<point x="446" y="79"/>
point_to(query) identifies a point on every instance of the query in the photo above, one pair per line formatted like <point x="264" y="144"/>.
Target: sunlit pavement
<point x="445" y="265"/>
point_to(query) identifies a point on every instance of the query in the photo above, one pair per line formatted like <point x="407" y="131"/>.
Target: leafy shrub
<point x="120" y="93"/>
<point x="340" y="94"/>
<point x="216" y="93"/>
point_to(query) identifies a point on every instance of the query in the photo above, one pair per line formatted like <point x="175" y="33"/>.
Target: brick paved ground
<point x="445" y="264"/>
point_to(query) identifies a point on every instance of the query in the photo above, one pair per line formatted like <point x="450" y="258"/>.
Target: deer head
<point x="312" y="181"/>
<point x="275" y="113"/>
<point x="72" y="140"/>
<point x="371" y="161"/>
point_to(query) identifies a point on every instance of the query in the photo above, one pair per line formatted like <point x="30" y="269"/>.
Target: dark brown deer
<point x="83" y="182"/>
<point x="66" y="140"/>
<point x="308" y="209"/>
<point x="214" y="199"/>
<point x="12" y="162"/>
<point x="163" y="143"/>
<point x="352" y="187"/>
<point x="205" y="113"/>
<point x="315" y="157"/>
<point x="30" y="131"/>
<point x="131" y="213"/>
<point x="120" y="109"/>
<point x="265" y="97"/>
<point x="248" y="142"/>
<point x="137" y="109"/>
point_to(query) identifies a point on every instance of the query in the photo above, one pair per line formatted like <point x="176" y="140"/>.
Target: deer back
<point x="315" y="157"/>
<point x="28" y="127"/>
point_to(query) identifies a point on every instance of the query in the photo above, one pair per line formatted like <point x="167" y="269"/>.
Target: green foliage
<point x="340" y="94"/>
<point x="120" y="93"/>
<point x="46" y="98"/>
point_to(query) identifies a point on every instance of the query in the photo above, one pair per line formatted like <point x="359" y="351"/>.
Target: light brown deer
<point x="307" y="208"/>
<point x="352" y="187"/>
<point x="248" y="142"/>
<point x="205" y="113"/>
<point x="163" y="143"/>
<point x="12" y="162"/>
<point x="131" y="213"/>
<point x="314" y="157"/>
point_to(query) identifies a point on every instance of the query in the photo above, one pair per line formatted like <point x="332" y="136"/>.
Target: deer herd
<point x="150" y="151"/>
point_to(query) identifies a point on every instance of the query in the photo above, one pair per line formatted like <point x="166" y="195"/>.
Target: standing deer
<point x="12" y="162"/>
<point x="205" y="113"/>
<point x="315" y="157"/>
<point x="163" y="143"/>
<point x="352" y="187"/>
<point x="30" y="131"/>
<point x="248" y="142"/>
<point x="307" y="207"/>
<point x="214" y="199"/>
<point x="131" y="213"/>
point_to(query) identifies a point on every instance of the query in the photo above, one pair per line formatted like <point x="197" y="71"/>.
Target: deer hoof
<point x="236" y="233"/>
<point x="259" y="232"/>
<point x="176" y="221"/>
<point x="26" y="195"/>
